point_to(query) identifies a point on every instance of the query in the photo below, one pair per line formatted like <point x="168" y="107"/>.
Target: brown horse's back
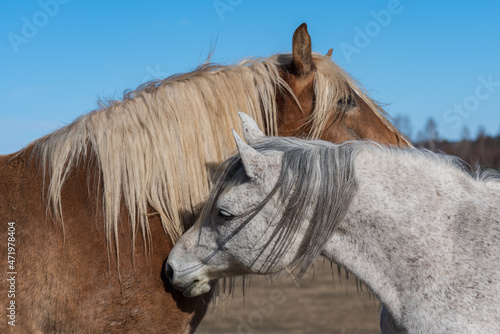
<point x="63" y="281"/>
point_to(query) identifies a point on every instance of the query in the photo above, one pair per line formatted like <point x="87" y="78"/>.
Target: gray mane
<point x="315" y="175"/>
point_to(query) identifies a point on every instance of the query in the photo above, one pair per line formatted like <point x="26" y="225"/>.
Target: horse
<point x="414" y="226"/>
<point x="93" y="209"/>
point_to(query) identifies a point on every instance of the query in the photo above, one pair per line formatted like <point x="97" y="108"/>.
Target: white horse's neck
<point x="413" y="234"/>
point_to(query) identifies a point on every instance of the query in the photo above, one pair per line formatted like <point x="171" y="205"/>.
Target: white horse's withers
<point x="420" y="232"/>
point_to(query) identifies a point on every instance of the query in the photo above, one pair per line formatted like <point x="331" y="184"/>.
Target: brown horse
<point x="90" y="212"/>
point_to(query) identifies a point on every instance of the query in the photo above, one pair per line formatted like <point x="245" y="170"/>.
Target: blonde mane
<point x="154" y="149"/>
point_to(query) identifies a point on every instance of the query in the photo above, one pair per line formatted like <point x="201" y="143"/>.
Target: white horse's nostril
<point x="169" y="272"/>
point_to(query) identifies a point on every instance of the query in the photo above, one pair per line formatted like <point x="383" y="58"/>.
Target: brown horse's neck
<point x="72" y="258"/>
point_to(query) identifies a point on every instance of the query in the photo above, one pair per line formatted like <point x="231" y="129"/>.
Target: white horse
<point x="420" y="232"/>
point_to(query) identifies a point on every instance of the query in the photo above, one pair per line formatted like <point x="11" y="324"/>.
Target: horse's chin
<point x="197" y="288"/>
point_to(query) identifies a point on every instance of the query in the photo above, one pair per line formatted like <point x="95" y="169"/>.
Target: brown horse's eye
<point x="346" y="103"/>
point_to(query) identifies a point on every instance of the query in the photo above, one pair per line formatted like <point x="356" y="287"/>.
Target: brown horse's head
<point x="350" y="113"/>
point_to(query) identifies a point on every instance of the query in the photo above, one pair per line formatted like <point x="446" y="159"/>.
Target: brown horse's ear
<point x="302" y="51"/>
<point x="329" y="53"/>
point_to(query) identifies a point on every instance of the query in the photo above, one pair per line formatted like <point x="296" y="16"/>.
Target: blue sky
<point x="422" y="59"/>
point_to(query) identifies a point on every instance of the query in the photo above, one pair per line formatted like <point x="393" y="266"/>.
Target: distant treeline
<point x="482" y="152"/>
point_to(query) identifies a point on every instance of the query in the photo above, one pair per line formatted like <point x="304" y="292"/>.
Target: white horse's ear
<point x="251" y="131"/>
<point x="254" y="162"/>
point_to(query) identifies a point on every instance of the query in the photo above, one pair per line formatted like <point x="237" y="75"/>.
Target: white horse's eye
<point x="224" y="214"/>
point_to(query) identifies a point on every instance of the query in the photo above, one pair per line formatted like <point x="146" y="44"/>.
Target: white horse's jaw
<point x="197" y="288"/>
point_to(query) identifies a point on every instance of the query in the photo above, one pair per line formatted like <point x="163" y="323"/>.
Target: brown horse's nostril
<point x="169" y="272"/>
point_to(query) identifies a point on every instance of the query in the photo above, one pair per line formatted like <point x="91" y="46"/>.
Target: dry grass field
<point x="322" y="304"/>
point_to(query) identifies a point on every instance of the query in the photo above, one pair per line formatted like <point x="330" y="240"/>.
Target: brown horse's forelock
<point x="185" y="116"/>
<point x="320" y="174"/>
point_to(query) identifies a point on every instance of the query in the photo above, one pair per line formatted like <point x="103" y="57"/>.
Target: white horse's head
<point x="233" y="233"/>
<point x="257" y="218"/>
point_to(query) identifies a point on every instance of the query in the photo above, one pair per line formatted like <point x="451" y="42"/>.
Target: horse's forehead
<point x="247" y="193"/>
